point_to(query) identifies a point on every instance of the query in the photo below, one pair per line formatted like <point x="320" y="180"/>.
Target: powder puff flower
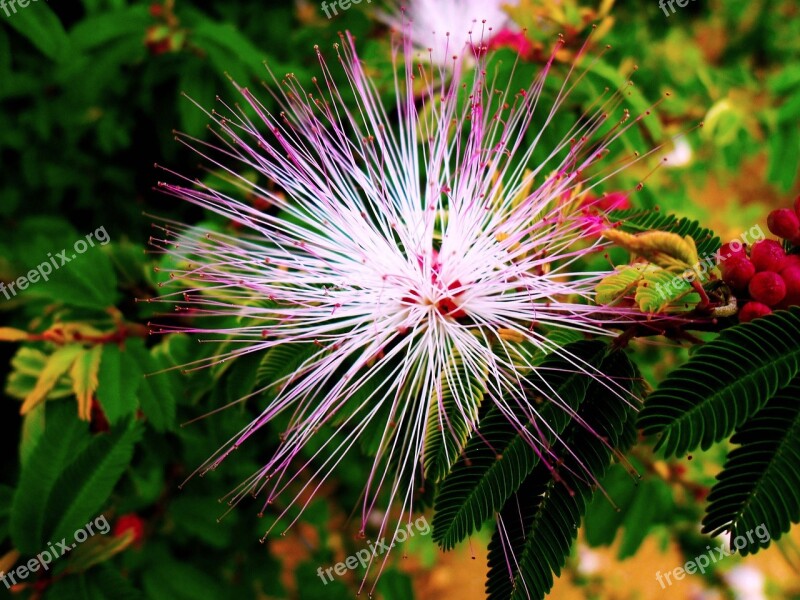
<point x="398" y="241"/>
<point x="447" y="28"/>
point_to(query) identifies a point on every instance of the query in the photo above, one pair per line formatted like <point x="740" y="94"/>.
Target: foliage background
<point x="90" y="93"/>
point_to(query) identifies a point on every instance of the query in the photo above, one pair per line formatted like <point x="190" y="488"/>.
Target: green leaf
<point x="6" y="497"/>
<point x="86" y="281"/>
<point x="759" y="487"/>
<point x="157" y="393"/>
<point x="100" y="583"/>
<point x="119" y="380"/>
<point x="173" y="580"/>
<point x="63" y="438"/>
<point x="664" y="292"/>
<point x="87" y="482"/>
<point x="638" y="221"/>
<point x="497" y="459"/>
<point x="539" y="523"/>
<point x="40" y="25"/>
<point x="724" y="384"/>
<point x="450" y="422"/>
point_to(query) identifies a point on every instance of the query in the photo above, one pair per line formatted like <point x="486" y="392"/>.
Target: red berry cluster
<point x="768" y="278"/>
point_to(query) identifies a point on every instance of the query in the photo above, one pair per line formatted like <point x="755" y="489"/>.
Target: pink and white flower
<point x="400" y="238"/>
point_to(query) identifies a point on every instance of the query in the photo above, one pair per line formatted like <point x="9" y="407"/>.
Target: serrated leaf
<point x="63" y="438"/>
<point x="725" y="382"/>
<point x="88" y="480"/>
<point x="157" y="393"/>
<point x="40" y="25"/>
<point x="57" y="365"/>
<point x="119" y="380"/>
<point x="84" y="375"/>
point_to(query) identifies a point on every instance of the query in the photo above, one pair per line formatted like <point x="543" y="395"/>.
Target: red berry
<point x="737" y="272"/>
<point x="156" y="10"/>
<point x="732" y="249"/>
<point x="784" y="223"/>
<point x="791" y="277"/>
<point x="768" y="255"/>
<point x="792" y="260"/>
<point x="753" y="310"/>
<point x="767" y="287"/>
<point x="132" y="523"/>
<point x="797" y="206"/>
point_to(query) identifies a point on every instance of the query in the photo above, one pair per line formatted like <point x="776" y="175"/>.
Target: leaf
<point x="497" y="459"/>
<point x="638" y="221"/>
<point x="662" y="248"/>
<point x="84" y="375"/>
<point x="56" y="366"/>
<point x="759" y="486"/>
<point x="6" y="496"/>
<point x="100" y="583"/>
<point x="157" y="393"/>
<point x="28" y="363"/>
<point x="64" y="436"/>
<point x="86" y="281"/>
<point x="119" y="380"/>
<point x="88" y="480"/>
<point x="40" y="25"/>
<point x="452" y="413"/>
<point x="9" y="334"/>
<point x="623" y="282"/>
<point x="538" y="524"/>
<point x="664" y="292"/>
<point x="724" y="383"/>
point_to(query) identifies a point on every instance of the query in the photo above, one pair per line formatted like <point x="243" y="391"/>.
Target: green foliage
<point x="449" y="424"/>
<point x="726" y="382"/>
<point x="496" y="461"/>
<point x="760" y="483"/>
<point x="67" y="480"/>
<point x="538" y="524"/>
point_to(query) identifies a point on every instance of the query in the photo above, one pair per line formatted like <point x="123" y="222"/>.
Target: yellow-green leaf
<point x="664" y="292"/>
<point x="57" y="365"/>
<point x="84" y="380"/>
<point x="9" y="334"/>
<point x="620" y="284"/>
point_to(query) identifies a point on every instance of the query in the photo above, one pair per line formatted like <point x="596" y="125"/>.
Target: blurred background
<point x="90" y="94"/>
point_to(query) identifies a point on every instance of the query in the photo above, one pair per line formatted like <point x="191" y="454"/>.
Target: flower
<point x="449" y="28"/>
<point x="400" y="242"/>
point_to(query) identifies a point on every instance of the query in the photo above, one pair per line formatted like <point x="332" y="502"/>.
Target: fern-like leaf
<point x="724" y="384"/>
<point x="450" y="423"/>
<point x="760" y="484"/>
<point x="539" y="523"/>
<point x="497" y="460"/>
